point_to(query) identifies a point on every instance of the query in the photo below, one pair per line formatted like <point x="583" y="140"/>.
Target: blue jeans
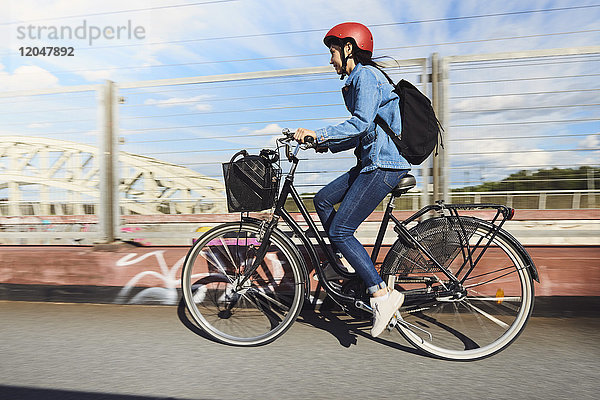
<point x="359" y="194"/>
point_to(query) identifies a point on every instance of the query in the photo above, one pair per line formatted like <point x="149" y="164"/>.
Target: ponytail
<point x="365" y="58"/>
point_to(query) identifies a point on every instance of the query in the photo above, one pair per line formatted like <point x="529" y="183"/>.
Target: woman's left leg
<point x="365" y="194"/>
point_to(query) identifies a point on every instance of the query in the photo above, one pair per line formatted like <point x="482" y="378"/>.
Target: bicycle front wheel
<point x="245" y="314"/>
<point x="480" y="318"/>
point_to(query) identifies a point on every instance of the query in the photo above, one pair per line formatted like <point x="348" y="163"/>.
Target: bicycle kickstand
<point x="398" y="320"/>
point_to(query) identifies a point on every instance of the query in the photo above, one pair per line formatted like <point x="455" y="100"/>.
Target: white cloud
<point x="591" y="159"/>
<point x="190" y="32"/>
<point x="97" y="75"/>
<point x="490" y="103"/>
<point x="26" y="77"/>
<point x="106" y="59"/>
<point x="269" y="129"/>
<point x="188" y="102"/>
<point x="39" y="125"/>
<point x="203" y="107"/>
<point x="590" y="142"/>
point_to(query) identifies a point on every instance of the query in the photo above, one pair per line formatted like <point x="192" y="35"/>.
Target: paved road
<point x="85" y="352"/>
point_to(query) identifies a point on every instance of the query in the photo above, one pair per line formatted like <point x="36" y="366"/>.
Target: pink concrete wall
<point x="563" y="270"/>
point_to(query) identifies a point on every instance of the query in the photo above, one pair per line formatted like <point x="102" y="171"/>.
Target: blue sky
<point x="200" y="38"/>
<point x="200" y="125"/>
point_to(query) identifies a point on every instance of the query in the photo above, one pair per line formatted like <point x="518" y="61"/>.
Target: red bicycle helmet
<point x="358" y="32"/>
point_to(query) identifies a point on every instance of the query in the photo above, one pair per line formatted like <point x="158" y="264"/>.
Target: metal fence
<point x="518" y="111"/>
<point x="75" y="161"/>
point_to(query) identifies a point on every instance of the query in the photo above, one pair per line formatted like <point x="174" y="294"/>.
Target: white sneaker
<point x="384" y="309"/>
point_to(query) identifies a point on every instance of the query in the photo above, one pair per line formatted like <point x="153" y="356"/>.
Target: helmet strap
<point x="344" y="61"/>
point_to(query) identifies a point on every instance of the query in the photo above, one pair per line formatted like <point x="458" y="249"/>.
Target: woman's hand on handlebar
<point x="306" y="138"/>
<point x="302" y="134"/>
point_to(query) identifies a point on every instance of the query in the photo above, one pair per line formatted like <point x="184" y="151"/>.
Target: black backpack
<point x="420" y="127"/>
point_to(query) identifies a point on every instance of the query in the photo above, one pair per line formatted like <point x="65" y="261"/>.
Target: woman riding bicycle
<point x="380" y="167"/>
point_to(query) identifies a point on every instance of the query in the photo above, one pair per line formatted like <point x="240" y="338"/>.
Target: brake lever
<point x="289" y="135"/>
<point x="288" y="150"/>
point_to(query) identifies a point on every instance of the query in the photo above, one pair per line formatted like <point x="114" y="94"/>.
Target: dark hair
<point x="361" y="56"/>
<point x="366" y="58"/>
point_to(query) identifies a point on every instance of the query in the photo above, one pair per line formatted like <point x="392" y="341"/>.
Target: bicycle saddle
<point x="406" y="183"/>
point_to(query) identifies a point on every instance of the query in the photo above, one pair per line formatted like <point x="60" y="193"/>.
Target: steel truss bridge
<point x="41" y="176"/>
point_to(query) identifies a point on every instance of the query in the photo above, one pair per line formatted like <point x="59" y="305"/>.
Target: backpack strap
<point x="384" y="125"/>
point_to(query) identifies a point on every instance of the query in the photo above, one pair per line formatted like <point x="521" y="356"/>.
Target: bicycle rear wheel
<point x="479" y="319"/>
<point x="259" y="310"/>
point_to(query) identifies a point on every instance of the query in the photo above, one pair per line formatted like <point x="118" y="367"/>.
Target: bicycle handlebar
<point x="309" y="142"/>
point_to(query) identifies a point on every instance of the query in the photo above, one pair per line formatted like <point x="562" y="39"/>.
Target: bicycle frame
<point x="400" y="227"/>
<point x="288" y="190"/>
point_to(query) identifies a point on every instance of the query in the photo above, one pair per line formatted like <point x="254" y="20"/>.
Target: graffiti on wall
<point x="168" y="276"/>
<point x="159" y="282"/>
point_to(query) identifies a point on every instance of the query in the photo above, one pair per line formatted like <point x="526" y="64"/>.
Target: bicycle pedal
<point x="396" y="319"/>
<point x="392" y="323"/>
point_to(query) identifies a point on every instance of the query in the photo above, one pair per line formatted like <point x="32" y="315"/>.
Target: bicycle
<point x="468" y="283"/>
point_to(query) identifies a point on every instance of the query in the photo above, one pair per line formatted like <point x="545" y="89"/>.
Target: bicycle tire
<point x="266" y="305"/>
<point x="499" y="295"/>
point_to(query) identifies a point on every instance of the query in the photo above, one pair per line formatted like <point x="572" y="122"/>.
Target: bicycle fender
<point x="528" y="259"/>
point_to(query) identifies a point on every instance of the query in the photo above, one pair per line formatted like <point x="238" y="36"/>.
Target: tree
<point x="545" y="179"/>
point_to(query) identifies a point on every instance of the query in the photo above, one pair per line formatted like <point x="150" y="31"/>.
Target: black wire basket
<point x="252" y="182"/>
<point x="443" y="237"/>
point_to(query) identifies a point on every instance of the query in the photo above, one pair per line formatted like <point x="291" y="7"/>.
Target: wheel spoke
<point x="510" y="267"/>
<point x="226" y="248"/>
<point x="267" y="311"/>
<point x="494" y="302"/>
<point x="495" y="299"/>
<point x="215" y="262"/>
<point x="490" y="280"/>
<point x="488" y="316"/>
<point x="444" y="329"/>
<point x="270" y="299"/>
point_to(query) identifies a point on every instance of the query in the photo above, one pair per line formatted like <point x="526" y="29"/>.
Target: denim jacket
<point x="367" y="93"/>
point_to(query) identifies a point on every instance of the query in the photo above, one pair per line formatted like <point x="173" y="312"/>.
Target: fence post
<point x="427" y="164"/>
<point x="435" y="100"/>
<point x="576" y="200"/>
<point x="542" y="201"/>
<point x="109" y="205"/>
<point x="439" y="84"/>
<point x="591" y="185"/>
<point x="445" y="120"/>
